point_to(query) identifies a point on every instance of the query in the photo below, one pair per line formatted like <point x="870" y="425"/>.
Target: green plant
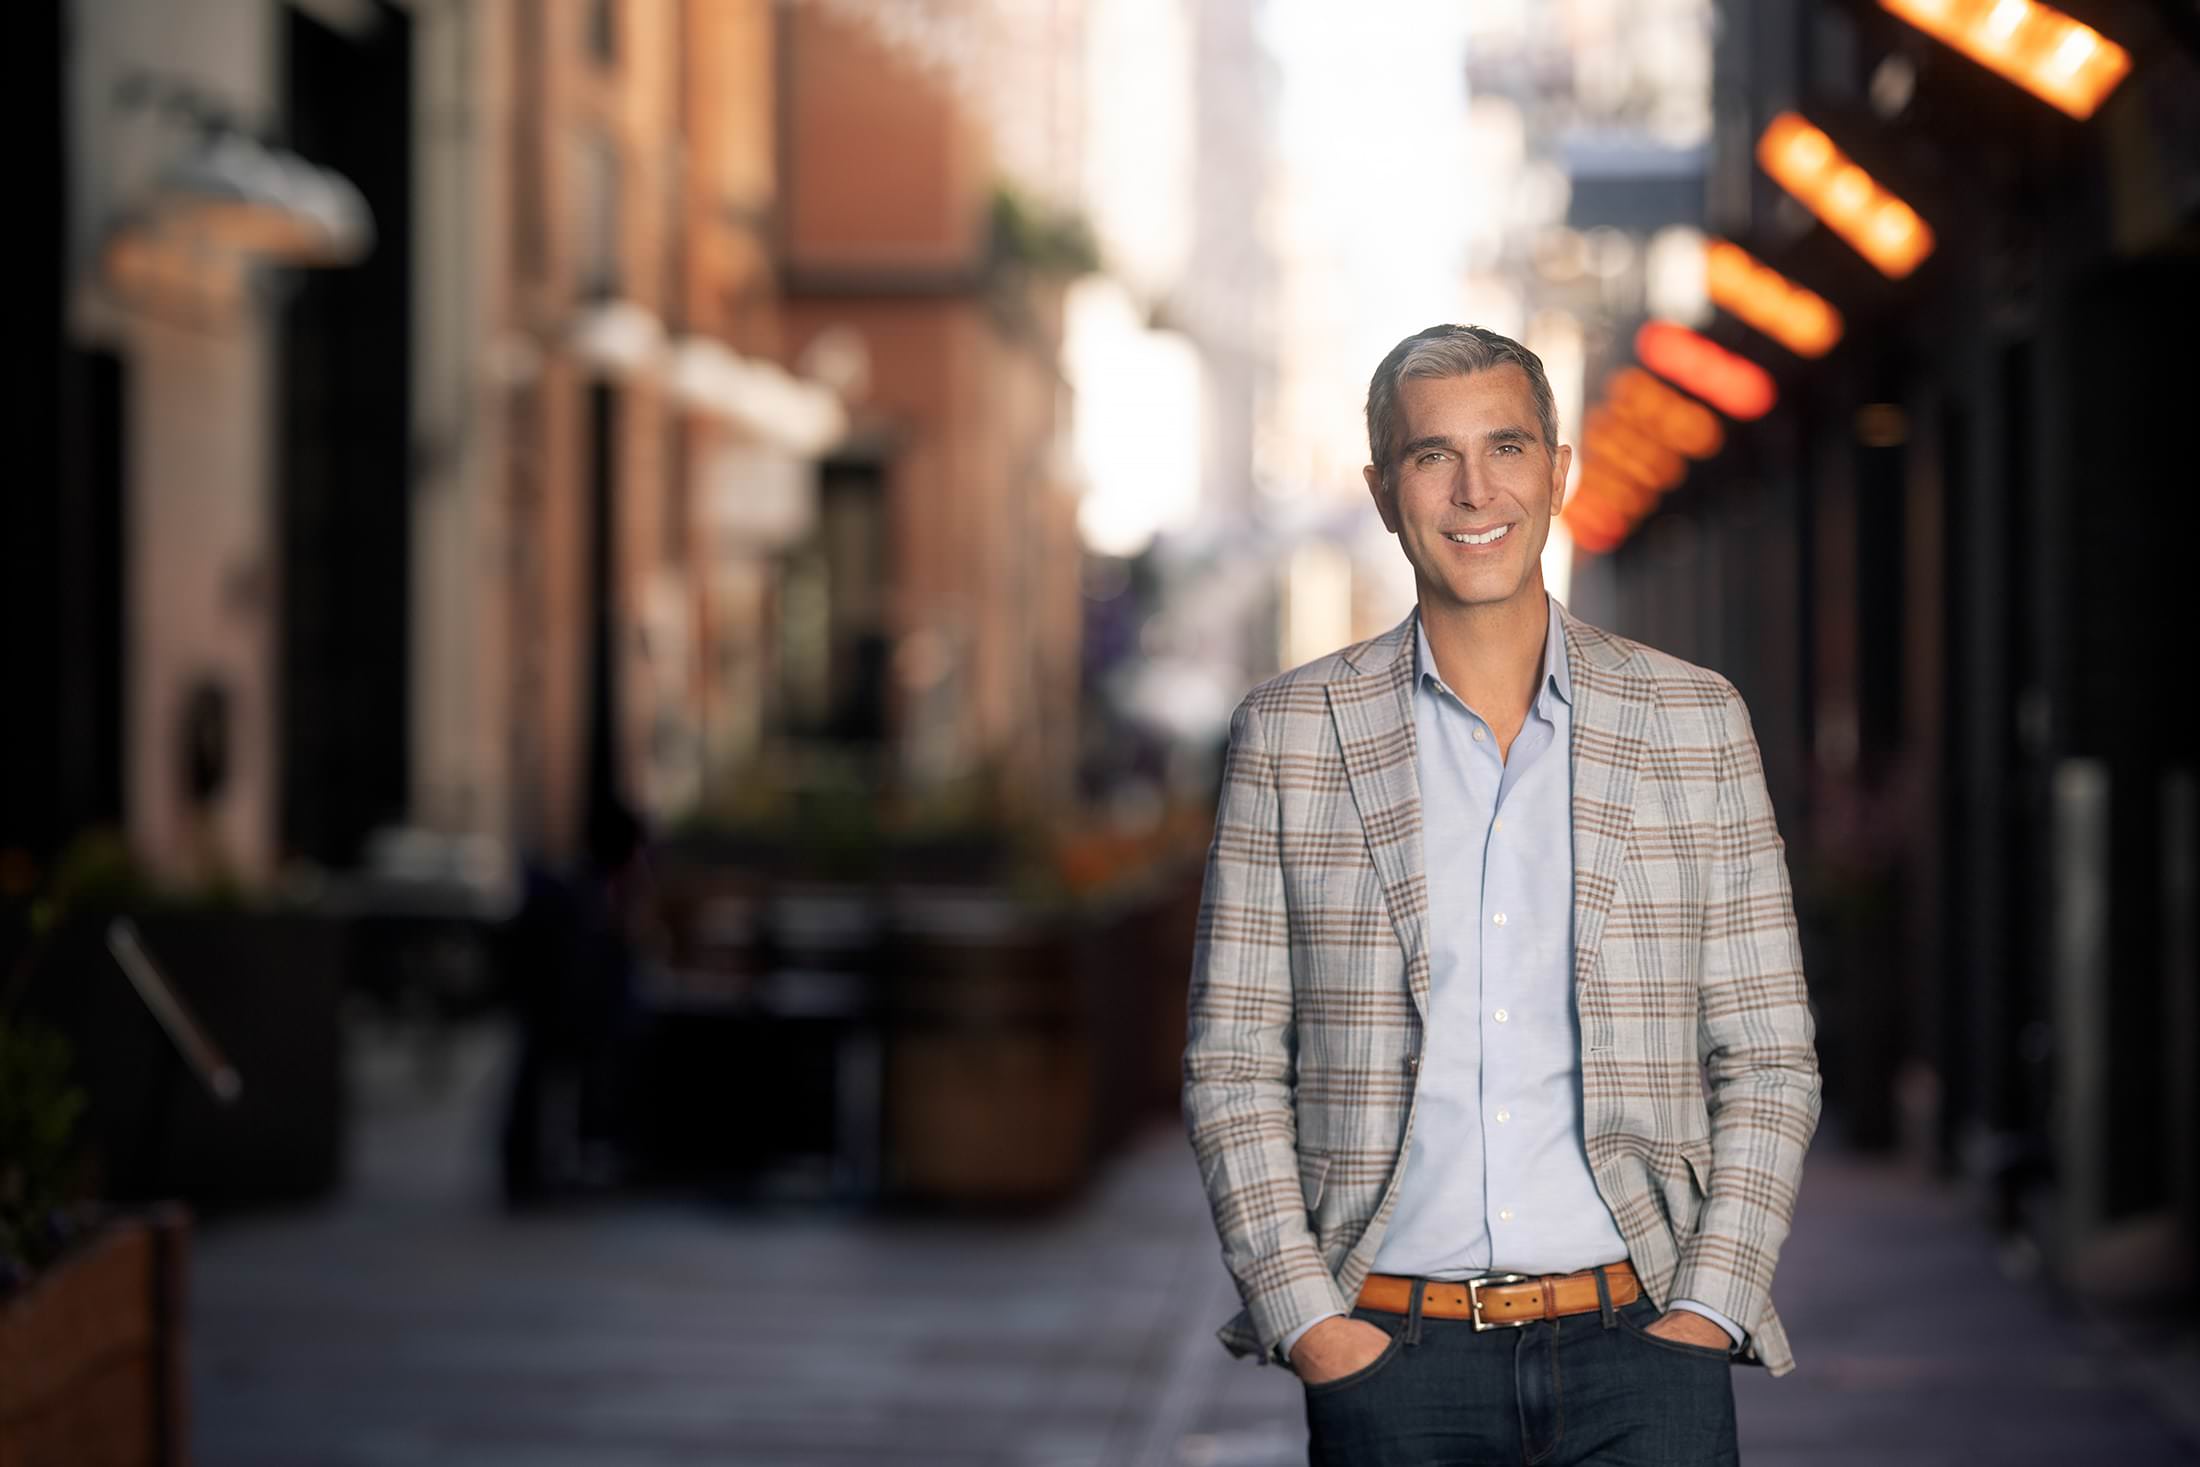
<point x="39" y="1108"/>
<point x="1044" y="241"/>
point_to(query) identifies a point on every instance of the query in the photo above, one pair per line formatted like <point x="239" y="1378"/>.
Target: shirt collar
<point x="1557" y="675"/>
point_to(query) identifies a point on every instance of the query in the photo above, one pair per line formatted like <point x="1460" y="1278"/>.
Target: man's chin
<point x="1479" y="595"/>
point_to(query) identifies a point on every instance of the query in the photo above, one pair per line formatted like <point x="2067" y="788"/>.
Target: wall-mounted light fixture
<point x="2062" y="61"/>
<point x="1733" y="384"/>
<point x="1850" y="202"/>
<point x="236" y="193"/>
<point x="1610" y="440"/>
<point x="1800" y="320"/>
<point x="227" y="202"/>
<point x="1678" y="421"/>
<point x="1632" y="450"/>
<point x="172" y="276"/>
<point x="1594" y="517"/>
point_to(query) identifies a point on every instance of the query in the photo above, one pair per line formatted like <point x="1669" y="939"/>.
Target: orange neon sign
<point x="2063" y="62"/>
<point x="1798" y="319"/>
<point x="1881" y="228"/>
<point x="1734" y="385"/>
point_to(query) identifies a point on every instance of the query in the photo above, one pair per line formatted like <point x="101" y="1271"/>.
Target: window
<point x="603" y="31"/>
<point x="596" y="208"/>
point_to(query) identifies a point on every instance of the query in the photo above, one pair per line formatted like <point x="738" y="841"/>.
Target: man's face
<point x="1471" y="497"/>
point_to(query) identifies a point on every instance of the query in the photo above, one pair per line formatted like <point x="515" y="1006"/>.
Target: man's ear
<point x="1385" y="504"/>
<point x="1561" y="463"/>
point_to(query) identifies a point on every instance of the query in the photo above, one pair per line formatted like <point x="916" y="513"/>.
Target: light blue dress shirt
<point x="1497" y="1179"/>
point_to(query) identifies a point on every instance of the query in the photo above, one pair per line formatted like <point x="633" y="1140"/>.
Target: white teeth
<point x="1487" y="537"/>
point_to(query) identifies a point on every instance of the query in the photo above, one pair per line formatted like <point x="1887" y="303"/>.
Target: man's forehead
<point x="1501" y="390"/>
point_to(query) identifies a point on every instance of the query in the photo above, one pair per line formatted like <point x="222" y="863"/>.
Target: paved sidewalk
<point x="1914" y="1350"/>
<point x="414" y="1324"/>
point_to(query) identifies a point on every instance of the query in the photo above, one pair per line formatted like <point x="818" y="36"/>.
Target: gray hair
<point x="1448" y="351"/>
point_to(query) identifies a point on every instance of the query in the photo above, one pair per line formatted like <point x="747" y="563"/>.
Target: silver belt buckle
<point x="1474" y="1299"/>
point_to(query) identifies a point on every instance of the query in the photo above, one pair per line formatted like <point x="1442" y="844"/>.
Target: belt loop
<point x="1413" y="1312"/>
<point x="1604" y="1299"/>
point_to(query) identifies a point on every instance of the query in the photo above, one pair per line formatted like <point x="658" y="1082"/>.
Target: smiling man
<point x="1500" y="1068"/>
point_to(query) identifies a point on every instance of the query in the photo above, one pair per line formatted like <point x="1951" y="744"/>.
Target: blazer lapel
<point x="1611" y="714"/>
<point x="1374" y="718"/>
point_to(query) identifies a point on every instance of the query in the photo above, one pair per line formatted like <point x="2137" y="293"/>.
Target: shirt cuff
<point x="1283" y="1346"/>
<point x="1734" y="1330"/>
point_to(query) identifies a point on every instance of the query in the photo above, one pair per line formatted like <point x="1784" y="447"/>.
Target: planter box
<point x="1134" y="959"/>
<point x="990" y="1117"/>
<point x="92" y="1354"/>
<point x="990" y="1060"/>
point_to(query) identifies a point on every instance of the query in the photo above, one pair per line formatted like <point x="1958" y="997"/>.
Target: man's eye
<point x="1508" y="448"/>
<point x="1431" y="457"/>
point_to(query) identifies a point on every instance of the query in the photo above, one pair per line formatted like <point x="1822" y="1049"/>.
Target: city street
<point x="868" y="574"/>
<point x="412" y="1323"/>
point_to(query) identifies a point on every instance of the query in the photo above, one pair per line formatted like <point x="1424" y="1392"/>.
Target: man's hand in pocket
<point x="1336" y="1348"/>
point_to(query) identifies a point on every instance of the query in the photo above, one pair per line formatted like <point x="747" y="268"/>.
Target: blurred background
<point x="620" y="617"/>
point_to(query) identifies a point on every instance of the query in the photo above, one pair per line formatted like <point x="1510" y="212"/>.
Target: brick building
<point x="949" y="564"/>
<point x="533" y="504"/>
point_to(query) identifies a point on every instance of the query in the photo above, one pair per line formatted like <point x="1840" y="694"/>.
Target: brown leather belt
<point x="1502" y="1300"/>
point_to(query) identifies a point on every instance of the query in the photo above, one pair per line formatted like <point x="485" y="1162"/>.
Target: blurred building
<point x="1946" y="572"/>
<point x="194" y="448"/>
<point x="934" y="618"/>
<point x="680" y="420"/>
<point x="626" y="454"/>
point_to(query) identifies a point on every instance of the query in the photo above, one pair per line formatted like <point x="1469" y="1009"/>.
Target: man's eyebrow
<point x="1425" y="442"/>
<point x="1511" y="435"/>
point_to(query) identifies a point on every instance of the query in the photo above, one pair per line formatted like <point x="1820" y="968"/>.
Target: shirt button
<point x="1478" y="736"/>
<point x="1501" y="1016"/>
<point x="1499" y="919"/>
<point x="1503" y="1116"/>
<point x="1413" y="1063"/>
<point x="1505" y="1214"/>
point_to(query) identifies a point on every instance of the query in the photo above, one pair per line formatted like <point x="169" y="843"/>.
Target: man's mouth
<point x="1486" y="537"/>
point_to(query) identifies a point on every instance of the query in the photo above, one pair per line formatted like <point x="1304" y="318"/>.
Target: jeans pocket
<point x="1365" y="1373"/>
<point x="1636" y="1328"/>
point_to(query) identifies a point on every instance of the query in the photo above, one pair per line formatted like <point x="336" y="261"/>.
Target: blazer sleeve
<point x="1756" y="1036"/>
<point x="1239" y="1055"/>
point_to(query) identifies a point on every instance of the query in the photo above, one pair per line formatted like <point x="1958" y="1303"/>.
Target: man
<point x="1500" y="1069"/>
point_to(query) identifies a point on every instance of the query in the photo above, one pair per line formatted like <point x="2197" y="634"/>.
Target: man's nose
<point x="1470" y="487"/>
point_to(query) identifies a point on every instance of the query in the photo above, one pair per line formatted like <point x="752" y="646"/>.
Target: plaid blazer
<point x="1310" y="978"/>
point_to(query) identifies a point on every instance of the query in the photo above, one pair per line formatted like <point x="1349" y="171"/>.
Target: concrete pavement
<point x="412" y="1323"/>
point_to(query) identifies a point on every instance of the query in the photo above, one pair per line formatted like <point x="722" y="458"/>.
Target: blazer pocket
<point x="1313" y="1172"/>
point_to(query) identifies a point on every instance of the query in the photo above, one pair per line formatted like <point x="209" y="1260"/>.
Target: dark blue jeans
<point x="1589" y="1388"/>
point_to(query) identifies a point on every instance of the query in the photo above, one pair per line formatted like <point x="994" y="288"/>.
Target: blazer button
<point x="1413" y="1063"/>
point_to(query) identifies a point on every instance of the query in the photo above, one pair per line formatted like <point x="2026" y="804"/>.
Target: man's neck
<point x="1491" y="656"/>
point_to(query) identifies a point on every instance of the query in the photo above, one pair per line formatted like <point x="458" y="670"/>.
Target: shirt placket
<point x="1495" y="967"/>
<point x="1507" y="950"/>
<point x="1460" y="1037"/>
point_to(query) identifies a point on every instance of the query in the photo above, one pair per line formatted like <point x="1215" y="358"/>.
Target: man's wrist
<point x="1289" y="1342"/>
<point x="1734" y="1331"/>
